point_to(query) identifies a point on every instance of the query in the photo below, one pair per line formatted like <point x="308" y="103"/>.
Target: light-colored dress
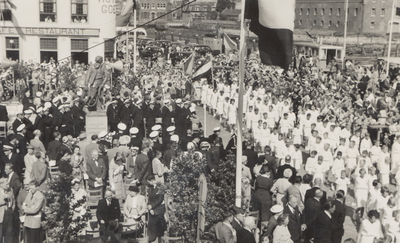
<point x="29" y="160"/>
<point x="116" y="181"/>
<point x="158" y="170"/>
<point x="280" y="187"/>
<point x="370" y="231"/>
<point x="281" y="235"/>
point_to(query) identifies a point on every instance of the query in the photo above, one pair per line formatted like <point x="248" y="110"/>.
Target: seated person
<point x="134" y="208"/>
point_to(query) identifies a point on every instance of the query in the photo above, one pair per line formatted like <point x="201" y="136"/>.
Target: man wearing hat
<point x="22" y="141"/>
<point x="150" y="116"/>
<point x="113" y="116"/>
<point x="187" y="115"/>
<point x="78" y="117"/>
<point x="28" y="124"/>
<point x="125" y="114"/>
<point x="215" y="135"/>
<point x="9" y="156"/>
<point x="67" y="122"/>
<point x="122" y="129"/>
<point x="103" y="140"/>
<point x="166" y="116"/>
<point x="39" y="121"/>
<point x="276" y="211"/>
<point x="179" y="119"/>
<point x="154" y="136"/>
<point x="167" y="139"/>
<point x="135" y="140"/>
<point x="18" y="121"/>
<point x="137" y="117"/>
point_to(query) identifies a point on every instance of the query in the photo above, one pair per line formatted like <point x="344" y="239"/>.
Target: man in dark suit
<point x="113" y="116"/>
<point x="312" y="208"/>
<point x="17" y="122"/>
<point x="3" y="112"/>
<point x="282" y="168"/>
<point x="13" y="179"/>
<point x="108" y="209"/>
<point x="338" y="217"/>
<point x="238" y="217"/>
<point x="22" y="140"/>
<point x="295" y="225"/>
<point x="310" y="193"/>
<point x="9" y="157"/>
<point x="28" y="125"/>
<point x="323" y="224"/>
<point x="53" y="149"/>
<point x="96" y="170"/>
<point x="276" y="211"/>
<point x="271" y="160"/>
<point x="245" y="235"/>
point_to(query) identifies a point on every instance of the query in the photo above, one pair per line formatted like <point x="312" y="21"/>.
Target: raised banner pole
<point x="134" y="40"/>
<point x="238" y="200"/>
<point x="390" y="37"/>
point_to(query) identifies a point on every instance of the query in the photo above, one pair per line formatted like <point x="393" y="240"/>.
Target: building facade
<point x="38" y="30"/>
<point x="151" y="9"/>
<point x="328" y="16"/>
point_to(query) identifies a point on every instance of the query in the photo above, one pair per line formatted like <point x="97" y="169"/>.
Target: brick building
<point x="151" y="9"/>
<point x="328" y="16"/>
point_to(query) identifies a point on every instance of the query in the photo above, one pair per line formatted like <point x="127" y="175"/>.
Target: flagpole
<point x="238" y="188"/>
<point x="126" y="43"/>
<point x="390" y="37"/>
<point x="345" y="30"/>
<point x="134" y="39"/>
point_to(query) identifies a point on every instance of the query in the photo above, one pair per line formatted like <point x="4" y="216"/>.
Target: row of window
<point x="153" y="5"/>
<point x="151" y="15"/>
<point x="48" y="11"/>
<point x="49" y="44"/>
<point x="338" y="11"/>
<point x="322" y="23"/>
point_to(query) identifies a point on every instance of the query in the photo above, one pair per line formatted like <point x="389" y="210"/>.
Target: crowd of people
<point x="310" y="142"/>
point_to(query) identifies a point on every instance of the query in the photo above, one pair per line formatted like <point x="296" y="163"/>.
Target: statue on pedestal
<point x="96" y="77"/>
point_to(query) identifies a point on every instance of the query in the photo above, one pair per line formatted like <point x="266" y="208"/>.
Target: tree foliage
<point x="183" y="191"/>
<point x="222" y="5"/>
<point x="59" y="223"/>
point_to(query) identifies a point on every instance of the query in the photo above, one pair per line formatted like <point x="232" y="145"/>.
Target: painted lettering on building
<point x="21" y="31"/>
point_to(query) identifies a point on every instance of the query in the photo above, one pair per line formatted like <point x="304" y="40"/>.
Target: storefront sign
<point x="49" y="31"/>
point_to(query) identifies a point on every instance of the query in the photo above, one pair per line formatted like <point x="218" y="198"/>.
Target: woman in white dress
<point x="232" y="114"/>
<point x="281" y="232"/>
<point x="392" y="226"/>
<point x="370" y="228"/>
<point x="135" y="207"/>
<point x="373" y="195"/>
<point x="115" y="173"/>
<point x="387" y="211"/>
<point x="361" y="191"/>
<point x="384" y="165"/>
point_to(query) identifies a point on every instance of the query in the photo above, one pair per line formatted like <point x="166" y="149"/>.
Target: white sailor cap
<point x="217" y="129"/>
<point x="40" y="109"/>
<point x="170" y="128"/>
<point x="7" y="147"/>
<point x="178" y="101"/>
<point x="124" y="139"/>
<point x="134" y="130"/>
<point x="174" y="138"/>
<point x="154" y="134"/>
<point x="102" y="134"/>
<point x="29" y="111"/>
<point x="20" y="127"/>
<point x="121" y="126"/>
<point x="156" y="128"/>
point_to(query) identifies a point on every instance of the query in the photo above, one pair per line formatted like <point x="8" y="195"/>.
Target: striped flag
<point x="203" y="71"/>
<point x="188" y="65"/>
<point x="273" y="22"/>
<point x="122" y="19"/>
<point x="229" y="43"/>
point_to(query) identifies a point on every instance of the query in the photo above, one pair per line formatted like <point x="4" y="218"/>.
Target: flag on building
<point x="123" y="18"/>
<point x="229" y="43"/>
<point x="273" y="22"/>
<point x="204" y="71"/>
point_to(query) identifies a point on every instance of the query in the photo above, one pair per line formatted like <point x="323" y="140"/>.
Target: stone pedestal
<point x="95" y="123"/>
